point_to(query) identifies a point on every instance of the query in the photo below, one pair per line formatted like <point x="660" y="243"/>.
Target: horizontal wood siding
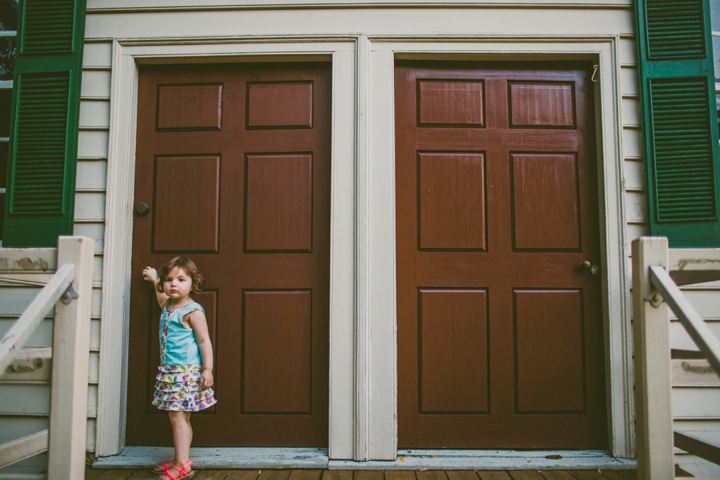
<point x="24" y="402"/>
<point x="693" y="407"/>
<point x="109" y="19"/>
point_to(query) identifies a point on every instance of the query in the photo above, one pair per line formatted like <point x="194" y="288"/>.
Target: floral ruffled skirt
<point x="178" y="389"/>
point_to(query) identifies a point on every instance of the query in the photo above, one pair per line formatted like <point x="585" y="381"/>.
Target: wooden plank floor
<point x="372" y="475"/>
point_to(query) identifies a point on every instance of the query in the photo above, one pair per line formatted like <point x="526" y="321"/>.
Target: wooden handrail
<point x="657" y="272"/>
<point x="692" y="321"/>
<point x="69" y="291"/>
<point x="17" y="450"/>
<point x="697" y="446"/>
<point x="24" y="326"/>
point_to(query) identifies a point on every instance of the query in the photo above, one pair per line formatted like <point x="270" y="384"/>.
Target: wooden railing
<point x="69" y="291"/>
<point x="657" y="273"/>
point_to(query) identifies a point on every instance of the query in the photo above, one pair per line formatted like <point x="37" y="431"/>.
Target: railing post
<point x="71" y="345"/>
<point x="653" y="409"/>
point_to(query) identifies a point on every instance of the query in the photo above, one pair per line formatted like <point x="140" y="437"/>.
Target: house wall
<point x="696" y="407"/>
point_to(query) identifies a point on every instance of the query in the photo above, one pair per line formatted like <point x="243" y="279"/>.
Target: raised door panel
<point x="549" y="351"/>
<point x="450" y="103"/>
<point x="280" y="105"/>
<point x="545" y="201"/>
<point x="277" y="352"/>
<point x="452" y="200"/>
<point x="542" y="105"/>
<point x="453" y="352"/>
<point x="278" y="191"/>
<point x="189" y="107"/>
<point x="186" y="211"/>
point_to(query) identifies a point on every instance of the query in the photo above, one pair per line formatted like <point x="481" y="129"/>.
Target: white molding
<point x="342" y="255"/>
<point x="113" y="6"/>
<point x="362" y="265"/>
<point x="118" y="235"/>
<point x="112" y="385"/>
<point x="363" y="375"/>
<point x="381" y="222"/>
<point x="617" y="304"/>
<point x="382" y="438"/>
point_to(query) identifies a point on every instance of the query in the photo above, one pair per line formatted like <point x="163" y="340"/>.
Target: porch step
<point x="317" y="474"/>
<point x="291" y="458"/>
<point x="29" y="365"/>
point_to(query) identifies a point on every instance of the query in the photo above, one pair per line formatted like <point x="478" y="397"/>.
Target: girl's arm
<point x="150" y="274"/>
<point x="199" y="325"/>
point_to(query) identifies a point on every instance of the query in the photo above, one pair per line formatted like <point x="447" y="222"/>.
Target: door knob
<point x="594" y="269"/>
<point x="142" y="209"/>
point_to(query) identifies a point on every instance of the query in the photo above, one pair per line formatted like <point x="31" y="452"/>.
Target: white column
<point x="71" y="346"/>
<point x="653" y="422"/>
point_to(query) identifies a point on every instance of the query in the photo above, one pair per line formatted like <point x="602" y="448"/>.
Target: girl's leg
<point x="182" y="436"/>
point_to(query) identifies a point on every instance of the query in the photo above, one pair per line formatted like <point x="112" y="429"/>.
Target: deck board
<point x="588" y="475"/>
<point x="315" y="474"/>
<point x="526" y="475"/>
<point x="243" y="475"/>
<point x="620" y="474"/>
<point x="461" y="475"/>
<point x="494" y="475"/>
<point x="305" y="475"/>
<point x="369" y="475"/>
<point x="337" y="475"/>
<point x="556" y="475"/>
<point x="431" y="475"/>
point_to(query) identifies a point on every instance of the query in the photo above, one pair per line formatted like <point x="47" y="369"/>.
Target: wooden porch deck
<point x="146" y="474"/>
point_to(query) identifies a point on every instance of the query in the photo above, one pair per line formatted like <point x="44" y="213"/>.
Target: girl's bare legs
<point x="182" y="436"/>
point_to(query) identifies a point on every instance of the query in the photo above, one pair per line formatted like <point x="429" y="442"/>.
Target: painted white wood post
<point x="71" y="345"/>
<point x="653" y="421"/>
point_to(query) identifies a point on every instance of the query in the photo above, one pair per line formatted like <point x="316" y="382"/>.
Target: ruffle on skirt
<point x="178" y="389"/>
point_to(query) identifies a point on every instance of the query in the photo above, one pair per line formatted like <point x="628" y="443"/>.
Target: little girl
<point x="186" y="357"/>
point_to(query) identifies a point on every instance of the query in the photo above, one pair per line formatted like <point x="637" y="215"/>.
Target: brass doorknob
<point x="594" y="269"/>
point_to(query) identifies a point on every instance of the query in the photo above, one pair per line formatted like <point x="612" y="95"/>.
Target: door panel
<point x="500" y="337"/>
<point x="234" y="162"/>
<point x="453" y="351"/>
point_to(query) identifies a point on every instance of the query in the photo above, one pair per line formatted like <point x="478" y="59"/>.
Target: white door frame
<point x="127" y="54"/>
<point x="363" y="373"/>
<point x="376" y="193"/>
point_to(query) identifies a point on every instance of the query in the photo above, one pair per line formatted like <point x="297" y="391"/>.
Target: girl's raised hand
<point x="150" y="274"/>
<point x="206" y="379"/>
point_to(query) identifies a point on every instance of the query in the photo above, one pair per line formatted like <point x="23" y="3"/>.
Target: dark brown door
<point x="234" y="163"/>
<point x="500" y="336"/>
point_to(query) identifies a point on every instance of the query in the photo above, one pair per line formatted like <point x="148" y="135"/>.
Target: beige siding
<point x="91" y="184"/>
<point x="696" y="402"/>
<point x="24" y="404"/>
<point x="109" y="19"/>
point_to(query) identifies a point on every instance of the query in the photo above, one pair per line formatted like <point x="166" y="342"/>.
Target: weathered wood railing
<point x="69" y="291"/>
<point x="657" y="272"/>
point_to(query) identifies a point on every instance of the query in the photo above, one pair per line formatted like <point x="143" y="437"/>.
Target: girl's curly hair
<point x="198" y="281"/>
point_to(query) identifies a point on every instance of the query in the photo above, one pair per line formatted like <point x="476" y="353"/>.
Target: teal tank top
<point x="178" y="345"/>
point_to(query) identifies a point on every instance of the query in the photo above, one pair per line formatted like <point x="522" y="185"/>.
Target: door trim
<point x="362" y="278"/>
<point x="115" y="310"/>
<point x="378" y="170"/>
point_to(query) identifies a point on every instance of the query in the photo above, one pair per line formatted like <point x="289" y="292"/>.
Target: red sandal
<point x="181" y="472"/>
<point x="162" y="468"/>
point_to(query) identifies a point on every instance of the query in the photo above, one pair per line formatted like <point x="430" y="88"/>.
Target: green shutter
<point x="44" y="124"/>
<point x="682" y="156"/>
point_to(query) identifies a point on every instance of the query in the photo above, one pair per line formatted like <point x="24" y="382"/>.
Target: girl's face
<point x="177" y="284"/>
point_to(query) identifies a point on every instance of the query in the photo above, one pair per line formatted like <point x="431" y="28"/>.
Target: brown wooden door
<point x="500" y="335"/>
<point x="234" y="162"/>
